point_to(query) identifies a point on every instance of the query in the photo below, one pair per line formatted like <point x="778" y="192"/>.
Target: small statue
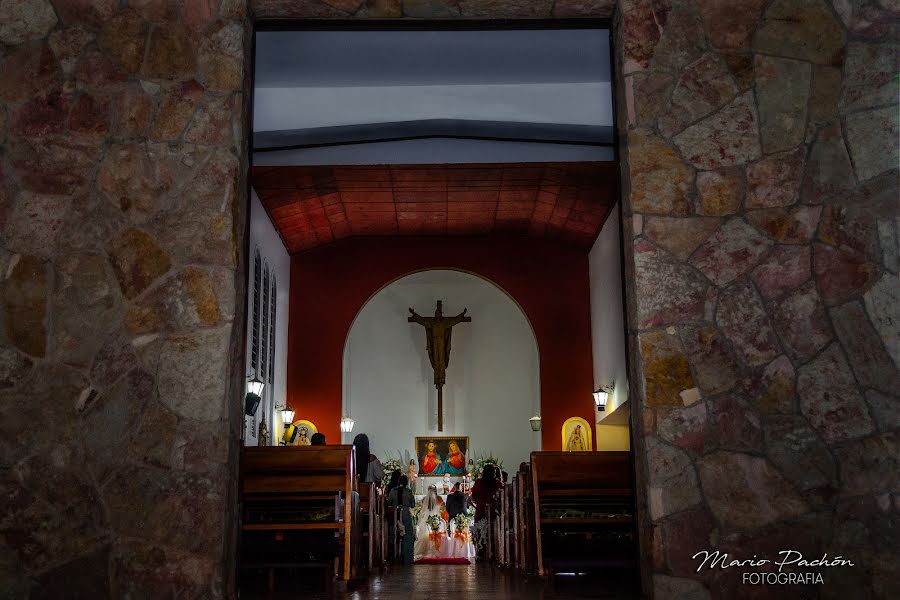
<point x="412" y="474"/>
<point x="577" y="442"/>
<point x="446" y="483"/>
<point x="263" y="439"/>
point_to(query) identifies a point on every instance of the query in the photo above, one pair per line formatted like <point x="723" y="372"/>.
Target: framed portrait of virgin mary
<point x="438" y="456"/>
<point x="576" y="435"/>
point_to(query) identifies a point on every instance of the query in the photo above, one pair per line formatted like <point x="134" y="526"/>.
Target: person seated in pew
<point x="368" y="465"/>
<point x="317" y="439"/>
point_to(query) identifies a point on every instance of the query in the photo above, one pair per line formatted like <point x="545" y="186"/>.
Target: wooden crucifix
<point x="437" y="334"/>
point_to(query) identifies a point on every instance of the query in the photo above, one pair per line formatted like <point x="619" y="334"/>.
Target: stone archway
<point x="759" y="192"/>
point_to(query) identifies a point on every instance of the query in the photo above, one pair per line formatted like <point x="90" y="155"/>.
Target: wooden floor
<point x="456" y="582"/>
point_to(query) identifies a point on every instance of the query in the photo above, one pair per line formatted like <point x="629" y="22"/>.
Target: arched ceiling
<point x="312" y="206"/>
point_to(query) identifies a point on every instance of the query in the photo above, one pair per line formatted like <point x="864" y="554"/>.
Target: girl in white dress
<point x="461" y="513"/>
<point x="431" y="531"/>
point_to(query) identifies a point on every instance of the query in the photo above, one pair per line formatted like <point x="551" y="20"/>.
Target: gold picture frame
<point x="449" y="456"/>
<point x="304" y="436"/>
<point x="576" y="435"/>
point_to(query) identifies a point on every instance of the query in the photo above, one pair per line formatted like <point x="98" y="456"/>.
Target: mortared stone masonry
<point x="760" y="183"/>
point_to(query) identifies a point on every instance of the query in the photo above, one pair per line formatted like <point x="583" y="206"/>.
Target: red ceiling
<point x="313" y="206"/>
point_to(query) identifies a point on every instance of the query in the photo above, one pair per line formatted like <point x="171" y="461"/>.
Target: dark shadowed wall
<point x="122" y="226"/>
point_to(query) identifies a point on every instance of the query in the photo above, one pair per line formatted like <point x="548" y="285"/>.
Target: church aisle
<point x="446" y="582"/>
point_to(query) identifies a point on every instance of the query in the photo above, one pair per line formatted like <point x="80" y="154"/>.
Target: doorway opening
<point x="386" y="150"/>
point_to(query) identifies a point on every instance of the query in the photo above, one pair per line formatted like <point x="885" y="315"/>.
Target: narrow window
<point x="263" y="362"/>
<point x="273" y="305"/>
<point x="254" y="344"/>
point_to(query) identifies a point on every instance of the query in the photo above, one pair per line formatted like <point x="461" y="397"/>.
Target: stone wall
<point x="760" y="145"/>
<point x="759" y="162"/>
<point x="122" y="224"/>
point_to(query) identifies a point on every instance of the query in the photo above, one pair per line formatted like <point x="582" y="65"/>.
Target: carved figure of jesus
<point x="438" y="330"/>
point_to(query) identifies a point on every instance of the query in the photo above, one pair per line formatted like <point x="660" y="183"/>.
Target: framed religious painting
<point x="304" y="432"/>
<point x="442" y="455"/>
<point x="576" y="435"/>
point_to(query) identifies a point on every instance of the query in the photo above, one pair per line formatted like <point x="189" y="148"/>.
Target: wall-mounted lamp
<point x="255" y="386"/>
<point x="535" y="422"/>
<point x="602" y="395"/>
<point x="290" y="434"/>
<point x="287" y="415"/>
<point x="251" y="404"/>
<point x="346" y="424"/>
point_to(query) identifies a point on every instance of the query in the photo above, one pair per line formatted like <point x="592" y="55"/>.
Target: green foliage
<point x="463" y="520"/>
<point x="482" y="461"/>
<point x="434" y="521"/>
<point x="390" y="466"/>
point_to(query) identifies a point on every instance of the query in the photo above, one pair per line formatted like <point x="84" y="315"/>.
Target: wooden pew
<point x="292" y="494"/>
<point x="511" y="526"/>
<point x="522" y="528"/>
<point x="583" y="510"/>
<point x="371" y="508"/>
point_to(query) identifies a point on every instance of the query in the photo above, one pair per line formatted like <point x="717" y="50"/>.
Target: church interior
<point x="412" y="205"/>
<point x="449" y="299"/>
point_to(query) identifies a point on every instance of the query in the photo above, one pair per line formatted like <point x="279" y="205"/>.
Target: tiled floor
<point x="456" y="582"/>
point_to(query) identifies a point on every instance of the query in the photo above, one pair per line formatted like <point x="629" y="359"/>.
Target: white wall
<point x="264" y="236"/>
<point x="434" y="151"/>
<point x="586" y="103"/>
<point x="607" y="314"/>
<point x="492" y="386"/>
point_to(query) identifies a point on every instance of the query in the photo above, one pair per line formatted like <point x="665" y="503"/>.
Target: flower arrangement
<point x="482" y="461"/>
<point x="416" y="511"/>
<point x="390" y="465"/>
<point x="434" y="522"/>
<point x="462" y="521"/>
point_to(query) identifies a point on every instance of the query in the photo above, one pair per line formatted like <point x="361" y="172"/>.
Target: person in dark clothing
<point x="483" y="496"/>
<point x="394" y="482"/>
<point x="456" y="503"/>
<point x="317" y="439"/>
<point x="367" y="465"/>
<point x="402" y="497"/>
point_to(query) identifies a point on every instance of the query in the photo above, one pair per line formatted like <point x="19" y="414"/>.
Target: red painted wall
<point x="330" y="285"/>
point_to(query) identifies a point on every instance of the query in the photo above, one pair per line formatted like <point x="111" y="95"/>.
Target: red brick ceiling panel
<point x="313" y="206"/>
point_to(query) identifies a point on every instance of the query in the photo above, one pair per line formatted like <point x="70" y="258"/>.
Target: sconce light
<point x="251" y="403"/>
<point x="287" y="416"/>
<point x="255" y="386"/>
<point x="602" y="395"/>
<point x="290" y="434"/>
<point x="535" y="422"/>
<point x="346" y="424"/>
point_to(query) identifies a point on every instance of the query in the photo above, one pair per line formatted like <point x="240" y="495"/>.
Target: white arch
<point x="493" y="381"/>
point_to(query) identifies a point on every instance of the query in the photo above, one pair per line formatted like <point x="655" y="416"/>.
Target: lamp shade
<point x="290" y="434"/>
<point x="255" y="386"/>
<point x="251" y="403"/>
<point x="287" y="416"/>
<point x="535" y="422"/>
<point x="601" y="396"/>
<point x="346" y="424"/>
